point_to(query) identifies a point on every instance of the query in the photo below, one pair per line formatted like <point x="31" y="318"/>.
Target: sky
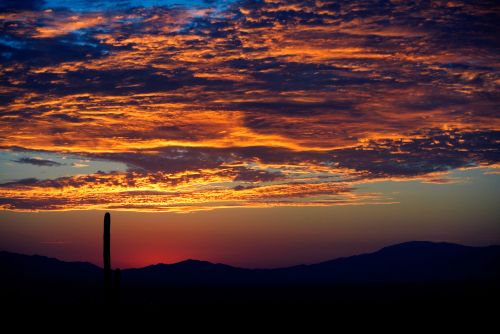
<point x="254" y="133"/>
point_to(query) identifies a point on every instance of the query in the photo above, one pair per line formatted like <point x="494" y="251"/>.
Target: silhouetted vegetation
<point x="111" y="286"/>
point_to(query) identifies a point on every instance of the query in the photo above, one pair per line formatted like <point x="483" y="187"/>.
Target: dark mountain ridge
<point x="405" y="265"/>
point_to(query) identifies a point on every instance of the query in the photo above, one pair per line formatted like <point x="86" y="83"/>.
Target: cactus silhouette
<point x="111" y="282"/>
<point x="107" y="257"/>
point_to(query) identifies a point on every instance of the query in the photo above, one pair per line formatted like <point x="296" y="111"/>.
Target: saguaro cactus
<point x="107" y="256"/>
<point x="111" y="282"/>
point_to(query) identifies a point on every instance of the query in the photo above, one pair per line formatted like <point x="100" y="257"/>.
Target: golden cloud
<point x="326" y="95"/>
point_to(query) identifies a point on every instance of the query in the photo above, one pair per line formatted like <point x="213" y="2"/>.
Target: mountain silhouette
<point x="410" y="262"/>
<point x="416" y="261"/>
<point x="409" y="270"/>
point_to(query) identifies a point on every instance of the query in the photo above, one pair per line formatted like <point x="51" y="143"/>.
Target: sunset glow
<point x="178" y="107"/>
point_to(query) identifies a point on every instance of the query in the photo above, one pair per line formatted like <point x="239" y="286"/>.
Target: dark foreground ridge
<point x="413" y="272"/>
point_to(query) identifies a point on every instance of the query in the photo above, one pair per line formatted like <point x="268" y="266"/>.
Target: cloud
<point x="180" y="192"/>
<point x="38" y="162"/>
<point x="300" y="99"/>
<point x="78" y="165"/>
<point x="14" y="5"/>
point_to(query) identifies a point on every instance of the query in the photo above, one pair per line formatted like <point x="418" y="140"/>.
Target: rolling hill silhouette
<point x="412" y="271"/>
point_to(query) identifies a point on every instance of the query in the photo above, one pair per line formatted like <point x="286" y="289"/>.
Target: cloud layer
<point x="262" y="103"/>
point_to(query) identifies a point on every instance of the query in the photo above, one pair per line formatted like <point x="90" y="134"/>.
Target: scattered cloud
<point x="260" y="103"/>
<point x="78" y="165"/>
<point x="38" y="162"/>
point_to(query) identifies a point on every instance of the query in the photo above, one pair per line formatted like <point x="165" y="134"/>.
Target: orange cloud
<point x="321" y="94"/>
<point x="72" y="23"/>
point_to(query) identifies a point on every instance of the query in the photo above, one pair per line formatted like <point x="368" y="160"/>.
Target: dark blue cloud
<point x="16" y="5"/>
<point x="37" y="162"/>
<point x="378" y="89"/>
